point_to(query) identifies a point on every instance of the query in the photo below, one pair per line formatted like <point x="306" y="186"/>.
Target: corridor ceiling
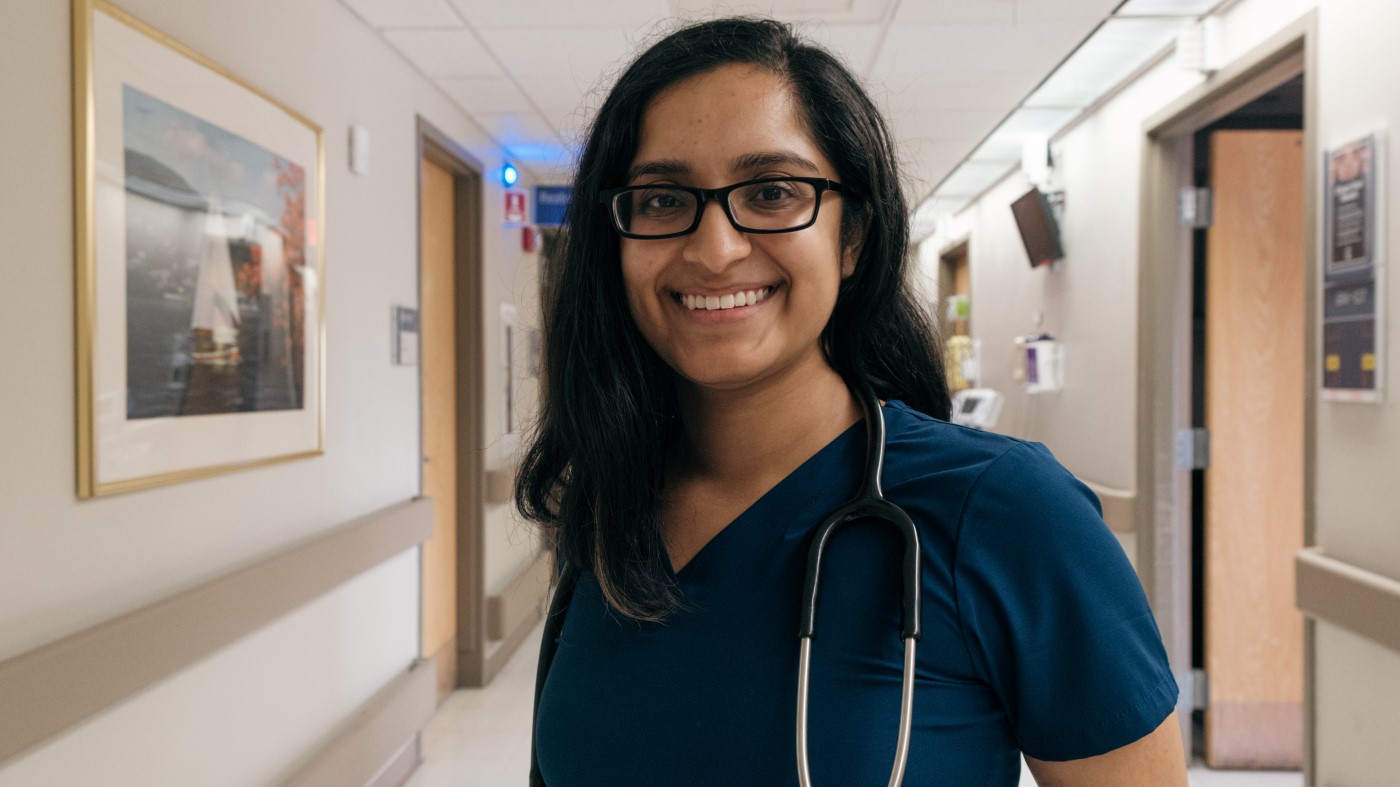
<point x="530" y="72"/>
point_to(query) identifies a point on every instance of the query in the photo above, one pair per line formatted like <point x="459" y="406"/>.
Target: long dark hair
<point x="593" y="473"/>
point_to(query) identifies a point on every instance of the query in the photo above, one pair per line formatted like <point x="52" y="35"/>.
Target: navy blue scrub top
<point x="1037" y="637"/>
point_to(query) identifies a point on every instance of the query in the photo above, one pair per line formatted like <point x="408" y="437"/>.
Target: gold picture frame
<point x="199" y="215"/>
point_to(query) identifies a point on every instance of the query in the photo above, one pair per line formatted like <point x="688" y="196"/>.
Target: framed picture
<point x="198" y="205"/>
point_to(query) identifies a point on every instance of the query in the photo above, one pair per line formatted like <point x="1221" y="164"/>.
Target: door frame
<point x="438" y="147"/>
<point x="1162" y="509"/>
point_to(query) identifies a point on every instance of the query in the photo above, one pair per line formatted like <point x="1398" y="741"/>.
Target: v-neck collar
<point x="795" y="491"/>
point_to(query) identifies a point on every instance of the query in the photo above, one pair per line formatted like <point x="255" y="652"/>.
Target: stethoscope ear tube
<point x="869" y="504"/>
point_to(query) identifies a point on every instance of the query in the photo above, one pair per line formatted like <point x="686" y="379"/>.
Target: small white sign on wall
<point x="405" y="342"/>
<point x="509" y="365"/>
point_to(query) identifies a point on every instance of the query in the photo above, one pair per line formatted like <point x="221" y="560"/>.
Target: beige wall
<point x="244" y="716"/>
<point x="1090" y="303"/>
<point x="1358" y="446"/>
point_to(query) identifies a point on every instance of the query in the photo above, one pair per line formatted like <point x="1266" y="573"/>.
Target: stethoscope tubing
<point x="869" y="504"/>
<point x="906" y="714"/>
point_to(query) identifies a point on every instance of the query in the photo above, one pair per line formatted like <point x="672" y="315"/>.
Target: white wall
<point x="244" y="715"/>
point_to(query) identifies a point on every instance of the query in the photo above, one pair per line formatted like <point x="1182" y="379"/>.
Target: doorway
<point x="1248" y="347"/>
<point x="1226" y="322"/>
<point x="954" y="314"/>
<point x="453" y="615"/>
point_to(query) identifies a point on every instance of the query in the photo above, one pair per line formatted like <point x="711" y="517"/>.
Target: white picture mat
<point x="130" y="449"/>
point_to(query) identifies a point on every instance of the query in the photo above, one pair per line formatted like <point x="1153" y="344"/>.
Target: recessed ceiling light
<point x="1111" y="55"/>
<point x="1192" y="8"/>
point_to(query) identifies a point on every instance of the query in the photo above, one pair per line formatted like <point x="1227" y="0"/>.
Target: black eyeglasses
<point x="763" y="206"/>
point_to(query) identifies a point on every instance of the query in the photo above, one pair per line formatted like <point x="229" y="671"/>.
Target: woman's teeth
<point x="720" y="302"/>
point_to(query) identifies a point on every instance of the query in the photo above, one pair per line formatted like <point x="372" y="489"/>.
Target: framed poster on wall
<point x="1353" y="315"/>
<point x="198" y="208"/>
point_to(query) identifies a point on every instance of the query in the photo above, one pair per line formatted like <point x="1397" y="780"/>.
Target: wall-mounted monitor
<point x="1039" y="230"/>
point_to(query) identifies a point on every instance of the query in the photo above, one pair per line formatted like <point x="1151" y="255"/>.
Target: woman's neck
<point x="768" y="428"/>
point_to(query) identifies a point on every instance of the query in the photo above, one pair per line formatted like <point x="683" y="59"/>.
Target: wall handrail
<point x="1117" y="506"/>
<point x="1339" y="593"/>
<point x="52" y="688"/>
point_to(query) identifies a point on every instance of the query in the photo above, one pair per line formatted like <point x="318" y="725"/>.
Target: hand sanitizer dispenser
<point x="1044" y="364"/>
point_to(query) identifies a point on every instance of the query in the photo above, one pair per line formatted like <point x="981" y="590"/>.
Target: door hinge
<point x="1200" y="690"/>
<point x="1195" y="207"/>
<point x="1193" y="449"/>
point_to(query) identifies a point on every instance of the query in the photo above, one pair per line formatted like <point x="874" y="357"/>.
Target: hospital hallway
<point x="337" y="328"/>
<point x="481" y="738"/>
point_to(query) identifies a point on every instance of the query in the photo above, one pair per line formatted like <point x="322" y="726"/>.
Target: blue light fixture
<point x="509" y="174"/>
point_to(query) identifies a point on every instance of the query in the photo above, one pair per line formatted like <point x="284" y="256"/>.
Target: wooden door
<point x="1254" y="485"/>
<point x="438" y="323"/>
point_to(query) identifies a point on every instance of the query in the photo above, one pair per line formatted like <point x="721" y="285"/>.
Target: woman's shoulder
<point x="915" y="437"/>
<point x="927" y="456"/>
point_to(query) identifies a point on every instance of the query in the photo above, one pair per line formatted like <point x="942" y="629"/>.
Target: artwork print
<point x="215" y="249"/>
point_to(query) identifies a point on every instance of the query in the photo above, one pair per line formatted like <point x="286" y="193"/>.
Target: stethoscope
<point x="868" y="505"/>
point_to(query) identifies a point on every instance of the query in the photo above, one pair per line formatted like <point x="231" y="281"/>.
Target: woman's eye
<point x="771" y="196"/>
<point x="659" y="201"/>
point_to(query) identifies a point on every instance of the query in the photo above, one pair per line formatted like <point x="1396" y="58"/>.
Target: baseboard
<point x="522" y="598"/>
<point x="498" y="658"/>
<point x="399" y="769"/>
<point x="374" y="740"/>
<point x="445" y="663"/>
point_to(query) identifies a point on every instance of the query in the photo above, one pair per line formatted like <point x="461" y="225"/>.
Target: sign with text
<point x="552" y="205"/>
<point x="1352" y="317"/>
<point x="515" y="206"/>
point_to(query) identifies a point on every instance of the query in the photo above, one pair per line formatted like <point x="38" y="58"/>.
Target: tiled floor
<point x="481" y="738"/>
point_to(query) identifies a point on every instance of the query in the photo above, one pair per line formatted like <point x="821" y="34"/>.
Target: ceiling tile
<point x="854" y="44"/>
<point x="926" y="162"/>
<point x="973" y="177"/>
<point x="843" y="11"/>
<point x="947" y="125"/>
<point x="978" y="49"/>
<point x="970" y="91"/>
<point x="585" y="57"/>
<point x="445" y="53"/>
<point x="629" y="15"/>
<point x="518" y="128"/>
<point x="959" y="12"/>
<point x="552" y="94"/>
<point x="570" y="124"/>
<point x="405" y="13"/>
<point x="486" y="94"/>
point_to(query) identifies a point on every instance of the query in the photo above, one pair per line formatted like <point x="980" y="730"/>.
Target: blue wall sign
<point x="552" y="205"/>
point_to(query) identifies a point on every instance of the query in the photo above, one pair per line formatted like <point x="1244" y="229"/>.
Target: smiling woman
<point x="731" y="318"/>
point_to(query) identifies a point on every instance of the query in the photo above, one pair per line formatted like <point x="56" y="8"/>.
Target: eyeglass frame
<point x="721" y="196"/>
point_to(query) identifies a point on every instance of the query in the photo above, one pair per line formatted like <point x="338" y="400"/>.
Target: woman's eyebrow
<point x="667" y="166"/>
<point x="770" y="158"/>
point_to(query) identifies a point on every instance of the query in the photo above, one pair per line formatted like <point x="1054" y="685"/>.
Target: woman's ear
<point x="851" y="246"/>
<point x="849" y="254"/>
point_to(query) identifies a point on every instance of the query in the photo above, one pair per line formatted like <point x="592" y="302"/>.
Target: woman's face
<point x="732" y="124"/>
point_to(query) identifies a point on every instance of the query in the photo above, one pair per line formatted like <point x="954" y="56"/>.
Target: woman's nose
<point x="716" y="243"/>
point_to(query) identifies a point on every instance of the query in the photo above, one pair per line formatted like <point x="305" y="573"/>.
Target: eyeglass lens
<point x="771" y="205"/>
